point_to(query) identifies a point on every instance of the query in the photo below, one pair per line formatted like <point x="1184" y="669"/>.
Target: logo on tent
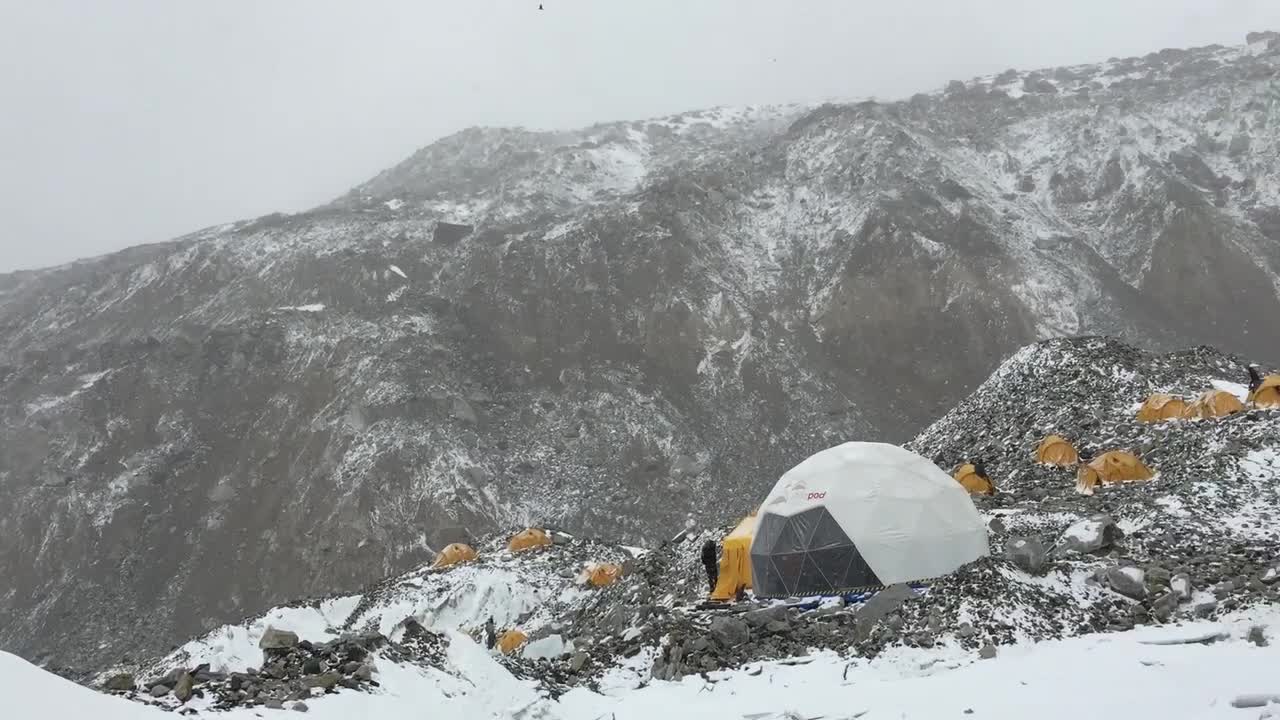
<point x="817" y="495"/>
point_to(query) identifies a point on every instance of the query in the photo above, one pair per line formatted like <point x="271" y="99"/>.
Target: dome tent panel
<point x="511" y="640"/>
<point x="905" y="520"/>
<point x="1055" y="450"/>
<point x="1111" y="467"/>
<point x="454" y="554"/>
<point x="1160" y="407"/>
<point x="972" y="481"/>
<point x="529" y="539"/>
<point x="1213" y="404"/>
<point x="1267" y="395"/>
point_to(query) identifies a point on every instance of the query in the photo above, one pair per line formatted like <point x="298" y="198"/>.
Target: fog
<point x="134" y="121"/>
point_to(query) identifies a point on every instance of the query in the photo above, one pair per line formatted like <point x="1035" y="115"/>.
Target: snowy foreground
<point x="1147" y="673"/>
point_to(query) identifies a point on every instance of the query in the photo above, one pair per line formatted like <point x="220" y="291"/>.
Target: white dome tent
<point x="859" y="516"/>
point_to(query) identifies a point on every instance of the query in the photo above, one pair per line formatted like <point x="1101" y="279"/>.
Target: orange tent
<point x="1055" y="450"/>
<point x="1160" y="407"/>
<point x="1111" y="467"/>
<point x="1268" y="393"/>
<point x="529" y="539"/>
<point x="735" y="562"/>
<point x="1213" y="404"/>
<point x="511" y="640"/>
<point x="967" y="475"/>
<point x="602" y="574"/>
<point x="454" y="554"/>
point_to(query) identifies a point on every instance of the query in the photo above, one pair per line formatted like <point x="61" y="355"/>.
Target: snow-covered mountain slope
<point x="609" y="329"/>
<point x="1136" y="674"/>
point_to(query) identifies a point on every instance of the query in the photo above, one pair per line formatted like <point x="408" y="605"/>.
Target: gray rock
<point x="1090" y="535"/>
<point x="1028" y="553"/>
<point x="274" y="639"/>
<point x="1205" y="609"/>
<point x="1128" y="581"/>
<point x="349" y="667"/>
<point x="1181" y="587"/>
<point x="764" y="616"/>
<point x="183" y="689"/>
<point x="299" y="707"/>
<point x="121" y="682"/>
<point x="1163" y="607"/>
<point x="1258" y="635"/>
<point x="326" y="680"/>
<point x="312" y="666"/>
<point x="1158" y="576"/>
<point x="997" y="526"/>
<point x="273" y="704"/>
<point x="578" y="661"/>
<point x="729" y="631"/>
<point x="777" y="626"/>
<point x="364" y="672"/>
<point x="159" y="691"/>
<point x="463" y="411"/>
<point x="966" y="630"/>
<point x="987" y="652"/>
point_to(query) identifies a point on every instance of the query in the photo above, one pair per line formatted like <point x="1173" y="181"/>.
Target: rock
<point x="273" y="704"/>
<point x="1158" y="576"/>
<point x="312" y="666"/>
<point x="1205" y="609"/>
<point x="184" y="688"/>
<point x="350" y="667"/>
<point x="1027" y="553"/>
<point x="1271" y="575"/>
<point x="299" y="707"/>
<point x="1026" y="184"/>
<point x="777" y="626"/>
<point x="966" y="630"/>
<point x="1091" y="535"/>
<point x="274" y="639"/>
<point x="1163" y="607"/>
<point x="462" y="411"/>
<point x="730" y="632"/>
<point x="1128" y="581"/>
<point x="1181" y="587"/>
<point x="1258" y="635"/>
<point x="364" y="672"/>
<point x="325" y="680"/>
<point x="762" y="617"/>
<point x="578" y="661"/>
<point x="997" y="526"/>
<point x="1223" y="589"/>
<point x="121" y="682"/>
<point x="159" y="691"/>
<point x="987" y="652"/>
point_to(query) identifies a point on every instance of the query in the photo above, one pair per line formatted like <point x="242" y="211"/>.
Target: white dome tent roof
<point x="862" y="515"/>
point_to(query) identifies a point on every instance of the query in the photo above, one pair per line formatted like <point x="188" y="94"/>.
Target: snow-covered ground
<point x="1134" y="675"/>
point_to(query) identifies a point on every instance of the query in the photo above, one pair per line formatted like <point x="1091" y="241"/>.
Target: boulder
<point x="1180" y="586"/>
<point x="762" y="617"/>
<point x="184" y="688"/>
<point x="578" y="661"/>
<point x="274" y="639"/>
<point x="326" y="680"/>
<point x="313" y="666"/>
<point x="1028" y="553"/>
<point x="987" y="652"/>
<point x="1128" y="581"/>
<point x="1090" y="535"/>
<point x="299" y="707"/>
<point x="463" y="411"/>
<point x="729" y="631"/>
<point x="159" y="691"/>
<point x="121" y="682"/>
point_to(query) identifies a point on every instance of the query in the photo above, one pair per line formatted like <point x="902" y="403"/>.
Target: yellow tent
<point x="454" y="554"/>
<point x="1111" y="467"/>
<point x="602" y="574"/>
<point x="1160" y="407"/>
<point x="967" y="475"/>
<point x="511" y="640"/>
<point x="1268" y="393"/>
<point x="529" y="539"/>
<point x="735" y="562"/>
<point x="1055" y="450"/>
<point x="1213" y="404"/>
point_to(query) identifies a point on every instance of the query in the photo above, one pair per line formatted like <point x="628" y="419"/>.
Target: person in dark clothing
<point x="980" y="468"/>
<point x="710" y="563"/>
<point x="1255" y="380"/>
<point x="490" y="634"/>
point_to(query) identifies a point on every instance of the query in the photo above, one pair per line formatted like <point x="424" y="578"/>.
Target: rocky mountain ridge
<point x="515" y="328"/>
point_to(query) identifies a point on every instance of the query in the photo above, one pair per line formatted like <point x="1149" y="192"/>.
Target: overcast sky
<point x="131" y="121"/>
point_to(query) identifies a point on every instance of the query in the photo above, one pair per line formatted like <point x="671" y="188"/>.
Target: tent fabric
<point x="735" y="560"/>
<point x="1213" y="404"/>
<point x="968" y="477"/>
<point x="1111" y="467"/>
<point x="862" y="515"/>
<point x="1055" y="450"/>
<point x="602" y="574"/>
<point x="1268" y="393"/>
<point x="454" y="554"/>
<point x="511" y="640"/>
<point x="529" y="539"/>
<point x="1161" y="407"/>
